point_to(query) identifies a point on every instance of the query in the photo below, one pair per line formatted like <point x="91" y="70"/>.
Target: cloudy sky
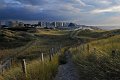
<point x="90" y="12"/>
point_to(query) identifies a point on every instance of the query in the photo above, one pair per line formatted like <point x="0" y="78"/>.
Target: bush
<point x="62" y="59"/>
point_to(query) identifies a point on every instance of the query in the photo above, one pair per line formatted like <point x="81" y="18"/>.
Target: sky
<point x="89" y="12"/>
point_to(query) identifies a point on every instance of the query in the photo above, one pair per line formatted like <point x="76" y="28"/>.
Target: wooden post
<point x="24" y="68"/>
<point x="11" y="61"/>
<point x="94" y="50"/>
<point x="59" y="52"/>
<point x="88" y="48"/>
<point x="42" y="57"/>
<point x="113" y="53"/>
<point x="52" y="51"/>
<point x="50" y="56"/>
<point x="9" y="66"/>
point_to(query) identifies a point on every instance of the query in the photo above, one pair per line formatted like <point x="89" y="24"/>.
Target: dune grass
<point x="40" y="41"/>
<point x="36" y="70"/>
<point x="101" y="61"/>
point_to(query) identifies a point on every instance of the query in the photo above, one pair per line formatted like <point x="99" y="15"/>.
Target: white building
<point x="59" y="24"/>
<point x="48" y="24"/>
<point x="65" y="24"/>
<point x="43" y="24"/>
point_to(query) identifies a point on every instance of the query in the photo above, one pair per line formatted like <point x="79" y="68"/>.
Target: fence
<point x="6" y="64"/>
<point x="53" y="51"/>
<point x="88" y="48"/>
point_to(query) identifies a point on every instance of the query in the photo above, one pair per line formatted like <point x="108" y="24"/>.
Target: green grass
<point x="98" y="62"/>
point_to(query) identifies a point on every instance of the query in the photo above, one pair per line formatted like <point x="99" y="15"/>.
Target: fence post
<point x="88" y="48"/>
<point x="23" y="62"/>
<point x="42" y="57"/>
<point x="113" y="53"/>
<point x="11" y="61"/>
<point x="52" y="51"/>
<point x="59" y="50"/>
<point x="50" y="57"/>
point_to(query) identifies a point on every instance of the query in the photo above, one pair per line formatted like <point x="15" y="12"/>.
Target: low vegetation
<point x="99" y="59"/>
<point x="44" y="40"/>
<point x="12" y="39"/>
<point x="36" y="70"/>
<point x="90" y="35"/>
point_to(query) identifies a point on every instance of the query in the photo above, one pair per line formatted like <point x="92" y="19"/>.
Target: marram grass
<point x="99" y="63"/>
<point x="36" y="70"/>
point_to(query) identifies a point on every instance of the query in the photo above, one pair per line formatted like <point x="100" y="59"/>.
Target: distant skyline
<point x="88" y="12"/>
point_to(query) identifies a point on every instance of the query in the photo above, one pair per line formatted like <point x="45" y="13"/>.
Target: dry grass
<point x="37" y="70"/>
<point x="98" y="62"/>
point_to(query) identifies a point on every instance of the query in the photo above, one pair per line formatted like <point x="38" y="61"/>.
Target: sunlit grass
<point x="53" y="32"/>
<point x="99" y="63"/>
<point x="36" y="70"/>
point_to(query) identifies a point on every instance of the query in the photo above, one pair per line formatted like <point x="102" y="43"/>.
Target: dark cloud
<point x="30" y="10"/>
<point x="33" y="2"/>
<point x="24" y="14"/>
<point x="59" y="10"/>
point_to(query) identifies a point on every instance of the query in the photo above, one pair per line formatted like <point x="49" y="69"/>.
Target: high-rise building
<point x="59" y="24"/>
<point x="65" y="24"/>
<point x="40" y="24"/>
<point x="54" y="24"/>
<point x="43" y="24"/>
<point x="48" y="24"/>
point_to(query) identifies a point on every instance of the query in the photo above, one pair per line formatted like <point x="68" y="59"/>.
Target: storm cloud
<point x="92" y="12"/>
